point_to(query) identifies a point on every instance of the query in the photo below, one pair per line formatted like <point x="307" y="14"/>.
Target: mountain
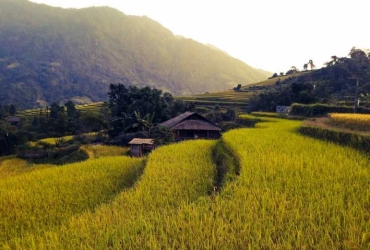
<point x="52" y="54"/>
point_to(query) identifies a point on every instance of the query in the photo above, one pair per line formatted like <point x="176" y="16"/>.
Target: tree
<point x="162" y="135"/>
<point x="217" y="108"/>
<point x="292" y="70"/>
<point x="12" y="109"/>
<point x="125" y="101"/>
<point x="312" y="65"/>
<point x="55" y="110"/>
<point x="73" y="117"/>
<point x="145" y="123"/>
<point x="57" y="124"/>
<point x="72" y="112"/>
<point x="230" y="115"/>
<point x="10" y="138"/>
<point x="237" y="88"/>
<point x="333" y="61"/>
<point x="356" y="53"/>
<point x="277" y="83"/>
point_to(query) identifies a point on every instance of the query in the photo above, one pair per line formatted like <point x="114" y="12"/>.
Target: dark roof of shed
<point x="196" y="125"/>
<point x="174" y="121"/>
<point x="185" y="121"/>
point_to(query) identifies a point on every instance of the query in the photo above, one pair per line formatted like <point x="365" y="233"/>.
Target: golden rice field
<point x="11" y="166"/>
<point x="52" y="141"/>
<point x="351" y="121"/>
<point x="44" y="199"/>
<point x="266" y="114"/>
<point x="97" y="151"/>
<point x="293" y="192"/>
<point x="167" y="183"/>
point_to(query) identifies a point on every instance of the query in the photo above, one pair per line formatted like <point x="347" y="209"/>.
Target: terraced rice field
<point x="226" y="99"/>
<point x="231" y="99"/>
<point x="30" y="113"/>
<point x="12" y="166"/>
<point x="351" y="121"/>
<point x="44" y="199"/>
<point x="292" y="192"/>
<point x="165" y="185"/>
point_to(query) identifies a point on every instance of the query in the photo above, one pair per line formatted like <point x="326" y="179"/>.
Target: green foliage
<point x="282" y="96"/>
<point x="72" y="54"/>
<point x="318" y="109"/>
<point x="237" y="88"/>
<point x="243" y="121"/>
<point x="332" y="84"/>
<point x="227" y="164"/>
<point x="56" y="123"/>
<point x="267" y="114"/>
<point x="51" y="154"/>
<point x="161" y="135"/>
<point x="226" y="126"/>
<point x="10" y="137"/>
<point x="128" y="103"/>
<point x="7" y="110"/>
<point x="355" y="140"/>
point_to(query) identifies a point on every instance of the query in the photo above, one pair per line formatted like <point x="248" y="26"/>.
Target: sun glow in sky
<point x="267" y="34"/>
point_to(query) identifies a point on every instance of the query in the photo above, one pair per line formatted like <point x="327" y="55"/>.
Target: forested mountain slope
<point x="52" y="54"/>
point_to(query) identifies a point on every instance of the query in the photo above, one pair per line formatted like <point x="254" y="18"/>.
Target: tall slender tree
<point x="312" y="65"/>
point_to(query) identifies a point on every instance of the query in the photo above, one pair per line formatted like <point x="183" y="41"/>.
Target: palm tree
<point x="145" y="123"/>
<point x="334" y="60"/>
<point x="312" y="66"/>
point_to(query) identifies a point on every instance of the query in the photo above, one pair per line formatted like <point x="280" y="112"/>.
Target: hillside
<point x="345" y="81"/>
<point x="237" y="100"/>
<point x="51" y="54"/>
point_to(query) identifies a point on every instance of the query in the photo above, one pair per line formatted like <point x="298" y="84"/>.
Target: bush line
<point x="227" y="164"/>
<point x="354" y="140"/>
<point x="322" y="109"/>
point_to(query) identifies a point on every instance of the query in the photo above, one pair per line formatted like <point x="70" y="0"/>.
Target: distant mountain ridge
<point x="52" y="54"/>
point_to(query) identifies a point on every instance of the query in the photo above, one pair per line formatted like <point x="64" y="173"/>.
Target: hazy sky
<point x="267" y="34"/>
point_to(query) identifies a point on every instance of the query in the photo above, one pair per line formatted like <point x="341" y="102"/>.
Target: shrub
<point x="227" y="164"/>
<point x="354" y="140"/>
<point x="319" y="109"/>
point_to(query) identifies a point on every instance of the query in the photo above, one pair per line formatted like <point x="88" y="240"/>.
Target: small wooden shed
<point x="140" y="146"/>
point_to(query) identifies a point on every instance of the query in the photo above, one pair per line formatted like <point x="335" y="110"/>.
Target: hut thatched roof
<point x="190" y="121"/>
<point x="176" y="120"/>
<point x="140" y="141"/>
<point x="196" y="125"/>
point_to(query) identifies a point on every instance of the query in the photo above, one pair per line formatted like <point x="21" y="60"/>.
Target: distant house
<point x="140" y="146"/>
<point x="13" y="120"/>
<point x="283" y="109"/>
<point x="191" y="125"/>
